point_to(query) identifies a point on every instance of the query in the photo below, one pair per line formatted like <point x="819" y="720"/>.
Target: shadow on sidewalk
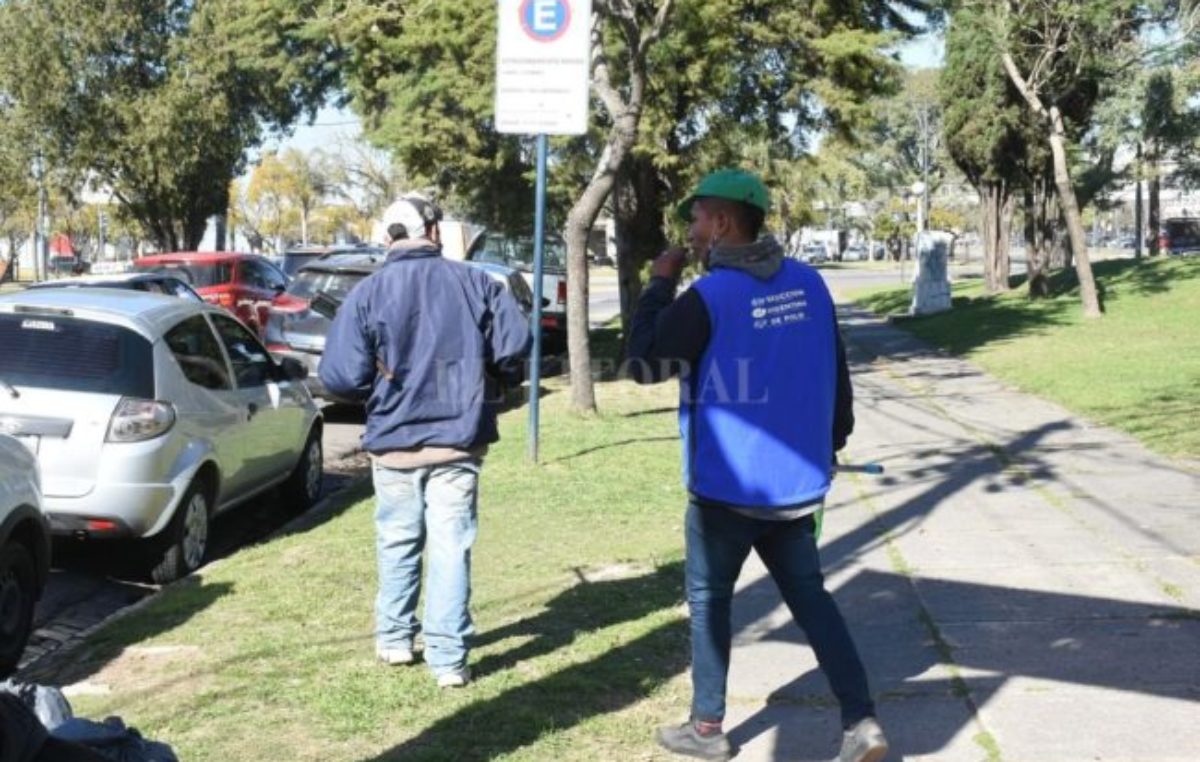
<point x="1002" y="632"/>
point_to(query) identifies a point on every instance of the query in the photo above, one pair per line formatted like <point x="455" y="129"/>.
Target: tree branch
<point x="614" y="104"/>
<point x="1030" y="95"/>
<point x="656" y="31"/>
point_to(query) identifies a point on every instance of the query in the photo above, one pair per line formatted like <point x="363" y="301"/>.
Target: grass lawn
<point x="581" y="649"/>
<point x="1137" y="368"/>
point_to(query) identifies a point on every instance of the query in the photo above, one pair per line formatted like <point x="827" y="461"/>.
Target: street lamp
<point x="41" y="254"/>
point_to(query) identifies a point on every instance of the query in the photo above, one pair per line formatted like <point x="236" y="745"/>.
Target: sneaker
<point x="863" y="743"/>
<point x="686" y="740"/>
<point x="394" y="655"/>
<point x="457" y="678"/>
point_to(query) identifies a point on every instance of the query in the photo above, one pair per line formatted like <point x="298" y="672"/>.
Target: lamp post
<point x="41" y="253"/>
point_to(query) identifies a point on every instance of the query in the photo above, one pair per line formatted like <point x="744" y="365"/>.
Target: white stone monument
<point x="931" y="282"/>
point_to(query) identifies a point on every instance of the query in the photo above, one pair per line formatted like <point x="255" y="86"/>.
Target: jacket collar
<point x="413" y="248"/>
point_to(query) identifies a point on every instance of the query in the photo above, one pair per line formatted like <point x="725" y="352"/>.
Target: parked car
<point x="856" y="252"/>
<point x="244" y="284"/>
<point x="24" y="544"/>
<point x="517" y="253"/>
<point x="150" y="282"/>
<point x="300" y="318"/>
<point x="1179" y="235"/>
<point x="64" y="265"/>
<point x="151" y="414"/>
<point x="291" y="260"/>
<point x="813" y="253"/>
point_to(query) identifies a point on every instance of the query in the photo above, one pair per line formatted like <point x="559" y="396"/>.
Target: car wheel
<point x="303" y="486"/>
<point x="18" y="593"/>
<point x="186" y="538"/>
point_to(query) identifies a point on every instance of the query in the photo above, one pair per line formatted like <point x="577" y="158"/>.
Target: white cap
<point x="412" y="211"/>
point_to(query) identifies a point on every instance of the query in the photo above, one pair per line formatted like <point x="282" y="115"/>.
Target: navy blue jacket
<point x="415" y="341"/>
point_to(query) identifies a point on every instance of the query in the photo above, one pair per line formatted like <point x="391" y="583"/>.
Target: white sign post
<point x="543" y="74"/>
<point x="543" y="62"/>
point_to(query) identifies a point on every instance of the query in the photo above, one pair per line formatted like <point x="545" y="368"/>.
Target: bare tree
<point x="639" y="24"/>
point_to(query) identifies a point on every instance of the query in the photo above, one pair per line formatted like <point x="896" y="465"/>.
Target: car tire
<point x="186" y="538"/>
<point x="303" y="487"/>
<point x="18" y="594"/>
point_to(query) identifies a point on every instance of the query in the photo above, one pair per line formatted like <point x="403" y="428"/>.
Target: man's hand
<point x="669" y="264"/>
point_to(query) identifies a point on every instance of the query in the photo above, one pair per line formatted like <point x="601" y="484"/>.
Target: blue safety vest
<point x="756" y="414"/>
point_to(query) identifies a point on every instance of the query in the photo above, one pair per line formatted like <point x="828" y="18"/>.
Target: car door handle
<point x="251" y="410"/>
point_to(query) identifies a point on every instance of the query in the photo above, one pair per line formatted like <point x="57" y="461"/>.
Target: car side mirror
<point x="545" y="302"/>
<point x="292" y="369"/>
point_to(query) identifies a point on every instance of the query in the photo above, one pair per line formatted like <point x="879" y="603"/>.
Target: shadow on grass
<point x="624" y="674"/>
<point x="175" y="605"/>
<point x="612" y="445"/>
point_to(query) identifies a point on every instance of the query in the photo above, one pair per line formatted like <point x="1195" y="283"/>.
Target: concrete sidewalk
<point x="1023" y="586"/>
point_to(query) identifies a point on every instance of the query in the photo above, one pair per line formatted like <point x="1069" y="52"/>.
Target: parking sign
<point x="543" y="60"/>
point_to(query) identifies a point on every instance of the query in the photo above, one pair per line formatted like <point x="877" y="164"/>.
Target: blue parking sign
<point x="545" y="20"/>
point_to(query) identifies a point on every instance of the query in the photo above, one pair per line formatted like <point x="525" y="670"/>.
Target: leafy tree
<point x="679" y="88"/>
<point x="159" y="101"/>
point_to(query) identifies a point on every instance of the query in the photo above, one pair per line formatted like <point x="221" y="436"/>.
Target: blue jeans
<point x="718" y="542"/>
<point x="421" y="508"/>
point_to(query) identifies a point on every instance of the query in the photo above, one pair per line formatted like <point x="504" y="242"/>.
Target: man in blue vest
<point x="765" y="402"/>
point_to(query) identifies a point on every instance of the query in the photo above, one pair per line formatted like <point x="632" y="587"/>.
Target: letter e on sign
<point x="545" y="20"/>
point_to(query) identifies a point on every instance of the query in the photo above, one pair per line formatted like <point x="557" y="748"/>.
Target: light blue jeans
<point x="434" y="508"/>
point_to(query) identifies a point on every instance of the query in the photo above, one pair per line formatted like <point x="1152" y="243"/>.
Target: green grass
<point x="582" y="645"/>
<point x="1137" y="368"/>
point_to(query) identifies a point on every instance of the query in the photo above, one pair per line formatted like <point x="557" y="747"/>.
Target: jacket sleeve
<point x="843" y="413"/>
<point x="667" y="336"/>
<point x="347" y="368"/>
<point x="508" y="335"/>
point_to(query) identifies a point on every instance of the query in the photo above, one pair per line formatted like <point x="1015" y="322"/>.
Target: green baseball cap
<point x="731" y="184"/>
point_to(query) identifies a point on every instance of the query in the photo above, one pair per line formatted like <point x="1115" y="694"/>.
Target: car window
<point x="73" y="354"/>
<point x="180" y="289"/>
<point x="262" y="274"/>
<point x="309" y="282"/>
<point x="195" y="348"/>
<point x="195" y="275"/>
<point x="252" y="365"/>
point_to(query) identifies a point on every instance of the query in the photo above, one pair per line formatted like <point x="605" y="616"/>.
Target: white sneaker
<point x="395" y="655"/>
<point x="456" y="679"/>
<point x="864" y="742"/>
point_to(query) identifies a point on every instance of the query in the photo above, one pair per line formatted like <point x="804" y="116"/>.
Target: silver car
<point x="24" y="549"/>
<point x="149" y="415"/>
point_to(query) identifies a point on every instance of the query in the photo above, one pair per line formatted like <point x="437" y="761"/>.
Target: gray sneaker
<point x="863" y="743"/>
<point x="686" y="740"/>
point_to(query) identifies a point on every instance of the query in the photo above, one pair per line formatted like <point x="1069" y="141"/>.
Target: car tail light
<point x="226" y="300"/>
<point x="137" y="420"/>
<point x="562" y="292"/>
<point x="101" y="525"/>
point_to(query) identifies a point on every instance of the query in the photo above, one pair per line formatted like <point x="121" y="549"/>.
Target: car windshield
<point x="518" y="252"/>
<point x="196" y="274"/>
<point x="70" y="354"/>
<point x="292" y="261"/>
<point x="308" y="282"/>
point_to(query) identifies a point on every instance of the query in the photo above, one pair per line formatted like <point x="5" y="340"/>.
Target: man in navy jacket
<point x="415" y="341"/>
<point x="765" y="402"/>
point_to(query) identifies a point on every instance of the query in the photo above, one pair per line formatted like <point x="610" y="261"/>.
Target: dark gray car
<point x="300" y="318"/>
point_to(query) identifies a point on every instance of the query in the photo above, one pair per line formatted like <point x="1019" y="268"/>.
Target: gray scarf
<point x="762" y="259"/>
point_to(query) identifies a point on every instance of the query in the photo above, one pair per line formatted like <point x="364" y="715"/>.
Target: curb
<point x="48" y="661"/>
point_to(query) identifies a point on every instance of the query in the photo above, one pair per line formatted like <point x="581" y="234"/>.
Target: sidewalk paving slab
<point x="1022" y="584"/>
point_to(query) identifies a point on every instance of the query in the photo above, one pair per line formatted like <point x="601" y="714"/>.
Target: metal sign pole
<point x="535" y="366"/>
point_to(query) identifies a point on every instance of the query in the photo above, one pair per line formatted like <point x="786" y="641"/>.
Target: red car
<point x="244" y="284"/>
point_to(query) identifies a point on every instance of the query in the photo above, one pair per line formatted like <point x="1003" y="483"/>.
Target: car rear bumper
<point x="113" y="511"/>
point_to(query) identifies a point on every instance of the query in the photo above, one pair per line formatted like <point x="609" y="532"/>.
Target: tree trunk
<point x="1040" y="216"/>
<point x="1139" y="236"/>
<point x="995" y="208"/>
<point x="222" y="223"/>
<point x="1066" y="197"/>
<point x="638" y="215"/>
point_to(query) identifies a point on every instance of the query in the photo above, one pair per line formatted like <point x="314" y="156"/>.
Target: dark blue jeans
<point x="718" y="542"/>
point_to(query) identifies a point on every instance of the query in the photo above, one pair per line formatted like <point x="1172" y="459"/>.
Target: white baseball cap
<point x="414" y="212"/>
